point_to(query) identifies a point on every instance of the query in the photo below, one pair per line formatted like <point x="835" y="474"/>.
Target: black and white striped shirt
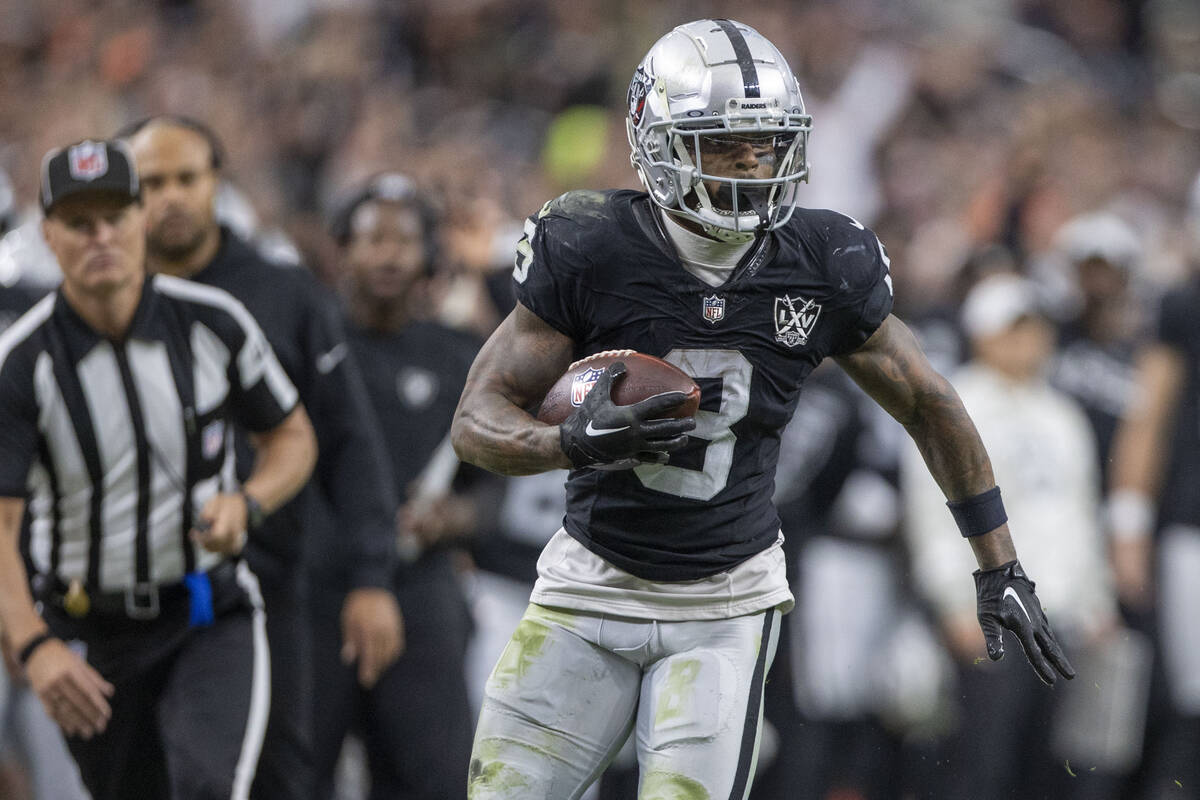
<point x="118" y="445"/>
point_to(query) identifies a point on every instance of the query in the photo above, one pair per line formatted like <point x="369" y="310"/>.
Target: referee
<point x="179" y="161"/>
<point x="116" y="393"/>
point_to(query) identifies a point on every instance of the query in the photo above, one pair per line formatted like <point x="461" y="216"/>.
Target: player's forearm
<point x="490" y="432"/>
<point x="19" y="619"/>
<point x="949" y="442"/>
<point x="892" y="369"/>
<point x="515" y="367"/>
<point x="958" y="461"/>
<point x="284" y="459"/>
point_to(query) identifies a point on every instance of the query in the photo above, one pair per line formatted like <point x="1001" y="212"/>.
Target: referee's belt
<point x="141" y="602"/>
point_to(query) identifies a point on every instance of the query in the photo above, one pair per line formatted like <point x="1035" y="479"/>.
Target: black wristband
<point x="33" y="644"/>
<point x="980" y="513"/>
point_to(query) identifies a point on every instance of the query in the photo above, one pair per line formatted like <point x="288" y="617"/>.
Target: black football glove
<point x="1006" y="600"/>
<point x="604" y="435"/>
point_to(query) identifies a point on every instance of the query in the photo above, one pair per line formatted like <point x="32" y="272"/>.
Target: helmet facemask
<point x="741" y="179"/>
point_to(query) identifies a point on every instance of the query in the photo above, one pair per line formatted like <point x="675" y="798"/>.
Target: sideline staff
<point x="416" y="721"/>
<point x="116" y="392"/>
<point x="178" y="160"/>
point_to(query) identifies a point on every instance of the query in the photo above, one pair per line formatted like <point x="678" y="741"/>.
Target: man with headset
<point x="415" y="721"/>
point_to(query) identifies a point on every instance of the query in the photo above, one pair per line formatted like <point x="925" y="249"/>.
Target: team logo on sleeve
<point x="87" y="161"/>
<point x="794" y="319"/>
<point x="714" y="309"/>
<point x="583" y="383"/>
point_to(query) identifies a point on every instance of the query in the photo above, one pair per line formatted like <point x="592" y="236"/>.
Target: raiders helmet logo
<point x="794" y="319"/>
<point x="639" y="89"/>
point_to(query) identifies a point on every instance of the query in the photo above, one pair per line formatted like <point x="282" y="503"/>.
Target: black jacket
<point x="350" y="539"/>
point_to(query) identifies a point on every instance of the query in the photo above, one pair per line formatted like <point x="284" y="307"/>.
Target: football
<point x="645" y="376"/>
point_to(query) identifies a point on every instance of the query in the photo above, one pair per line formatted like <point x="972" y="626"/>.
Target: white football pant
<point x="570" y="685"/>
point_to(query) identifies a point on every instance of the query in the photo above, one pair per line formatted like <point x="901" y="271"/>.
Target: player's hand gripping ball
<point x="620" y="408"/>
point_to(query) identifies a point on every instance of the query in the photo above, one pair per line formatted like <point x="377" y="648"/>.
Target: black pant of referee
<point x="191" y="703"/>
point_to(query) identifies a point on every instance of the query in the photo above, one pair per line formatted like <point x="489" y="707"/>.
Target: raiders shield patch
<point x="794" y="319"/>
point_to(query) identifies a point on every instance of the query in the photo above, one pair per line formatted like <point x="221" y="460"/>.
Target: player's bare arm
<point x="892" y="369"/>
<point x="518" y="363"/>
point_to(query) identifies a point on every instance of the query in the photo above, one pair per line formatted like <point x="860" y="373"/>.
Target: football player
<point x="657" y="605"/>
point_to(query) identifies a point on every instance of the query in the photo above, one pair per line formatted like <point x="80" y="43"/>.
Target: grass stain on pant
<point x="527" y="643"/>
<point x="671" y="786"/>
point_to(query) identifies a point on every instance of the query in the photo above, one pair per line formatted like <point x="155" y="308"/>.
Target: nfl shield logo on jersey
<point x="794" y="319"/>
<point x="212" y="439"/>
<point x="714" y="309"/>
<point x="87" y="161"/>
<point x="583" y="383"/>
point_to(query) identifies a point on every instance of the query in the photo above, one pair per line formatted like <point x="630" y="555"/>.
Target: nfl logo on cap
<point x="90" y="167"/>
<point x="87" y="160"/>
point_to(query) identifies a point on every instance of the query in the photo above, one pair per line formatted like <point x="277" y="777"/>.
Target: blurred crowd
<point x="1031" y="166"/>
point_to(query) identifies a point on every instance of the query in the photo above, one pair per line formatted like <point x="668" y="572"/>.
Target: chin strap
<point x="725" y="195"/>
<point x="726" y="235"/>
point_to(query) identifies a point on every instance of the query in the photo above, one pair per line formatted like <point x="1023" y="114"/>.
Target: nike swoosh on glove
<point x="1006" y="599"/>
<point x="604" y="435"/>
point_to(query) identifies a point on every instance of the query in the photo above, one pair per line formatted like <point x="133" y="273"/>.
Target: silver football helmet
<point x="718" y="129"/>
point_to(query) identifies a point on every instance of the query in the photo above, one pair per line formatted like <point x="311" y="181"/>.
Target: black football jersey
<point x="414" y="378"/>
<point x="1179" y="328"/>
<point x="1101" y="377"/>
<point x="598" y="267"/>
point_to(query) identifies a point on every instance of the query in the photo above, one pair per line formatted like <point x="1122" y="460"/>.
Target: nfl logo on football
<point x="87" y="161"/>
<point x="794" y="319"/>
<point x="714" y="309"/>
<point x="583" y="383"/>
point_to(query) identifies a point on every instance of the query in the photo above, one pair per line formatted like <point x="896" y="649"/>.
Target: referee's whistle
<point x="76" y="601"/>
